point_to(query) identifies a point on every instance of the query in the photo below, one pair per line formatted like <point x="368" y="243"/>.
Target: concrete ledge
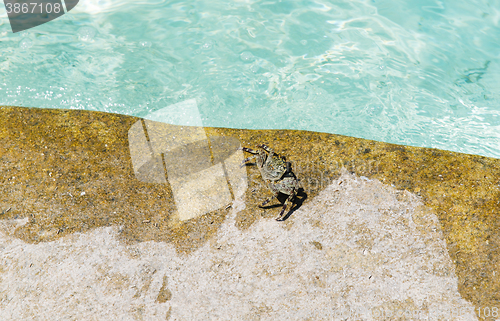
<point x="67" y="172"/>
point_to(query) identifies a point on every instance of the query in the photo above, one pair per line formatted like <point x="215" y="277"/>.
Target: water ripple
<point x="423" y="73"/>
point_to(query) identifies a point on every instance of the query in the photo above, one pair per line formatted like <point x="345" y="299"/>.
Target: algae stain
<point x="164" y="295"/>
<point x="317" y="245"/>
<point x="467" y="235"/>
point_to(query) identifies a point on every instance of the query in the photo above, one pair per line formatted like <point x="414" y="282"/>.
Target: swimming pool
<point x="422" y="73"/>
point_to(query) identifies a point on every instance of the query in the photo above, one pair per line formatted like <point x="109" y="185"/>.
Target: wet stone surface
<point x="64" y="172"/>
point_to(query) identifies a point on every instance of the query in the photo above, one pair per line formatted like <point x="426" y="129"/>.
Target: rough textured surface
<point x="70" y="171"/>
<point x="359" y="250"/>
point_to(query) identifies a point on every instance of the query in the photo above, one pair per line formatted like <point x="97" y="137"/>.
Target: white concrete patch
<point x="360" y="250"/>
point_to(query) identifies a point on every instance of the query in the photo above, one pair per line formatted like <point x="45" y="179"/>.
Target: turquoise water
<point x="421" y="73"/>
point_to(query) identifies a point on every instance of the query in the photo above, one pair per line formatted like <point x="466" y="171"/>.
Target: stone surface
<point x="358" y="250"/>
<point x="68" y="178"/>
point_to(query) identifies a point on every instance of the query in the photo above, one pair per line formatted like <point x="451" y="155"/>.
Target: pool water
<point x="422" y="73"/>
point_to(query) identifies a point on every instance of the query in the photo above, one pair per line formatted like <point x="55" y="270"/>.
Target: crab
<point x="277" y="172"/>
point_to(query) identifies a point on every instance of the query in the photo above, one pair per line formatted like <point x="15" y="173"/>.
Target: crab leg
<point x="275" y="194"/>
<point x="270" y="151"/>
<point x="247" y="159"/>
<point x="288" y="200"/>
<point x="266" y="148"/>
<point x="249" y="150"/>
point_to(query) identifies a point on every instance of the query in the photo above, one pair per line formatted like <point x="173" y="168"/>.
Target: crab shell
<point x="271" y="166"/>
